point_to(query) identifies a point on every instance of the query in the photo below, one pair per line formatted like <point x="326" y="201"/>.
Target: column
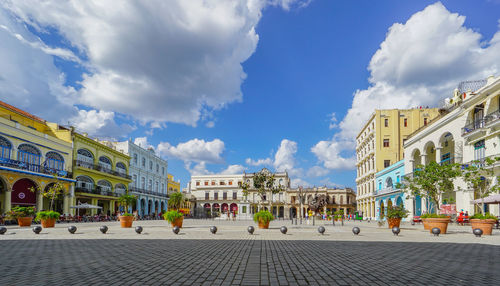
<point x="93" y="202"/>
<point x="8" y="195"/>
<point x="39" y="201"/>
<point x="423" y="159"/>
<point x="66" y="204"/>
<point x="146" y="206"/>
<point x="438" y="154"/>
<point x="138" y="204"/>
<point x="111" y="206"/>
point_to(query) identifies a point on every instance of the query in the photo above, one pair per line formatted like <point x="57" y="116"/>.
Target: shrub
<point x="171" y="216"/>
<point x="485" y="216"/>
<point x="46" y="215"/>
<point x="17" y="212"/>
<point x="433" y="216"/>
<point x="397" y="212"/>
<point x="128" y="214"/>
<point x="263" y="216"/>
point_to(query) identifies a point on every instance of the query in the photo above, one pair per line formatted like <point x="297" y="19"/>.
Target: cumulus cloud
<point x="284" y="159"/>
<point x="317" y="171"/>
<point x="142" y="142"/>
<point x="158" y="61"/>
<point x="419" y="63"/>
<point x="259" y="162"/>
<point x="99" y="123"/>
<point x="233" y="169"/>
<point x="195" y="150"/>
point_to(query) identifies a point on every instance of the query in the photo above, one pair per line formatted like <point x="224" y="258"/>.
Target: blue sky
<point x="216" y="87"/>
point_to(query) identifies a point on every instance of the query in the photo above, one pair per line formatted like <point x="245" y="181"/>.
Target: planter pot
<point x="441" y="223"/>
<point x="24" y="221"/>
<point x="392" y="222"/>
<point x="126" y="221"/>
<point x="178" y="222"/>
<point x="264" y="225"/>
<point x="486" y="225"/>
<point x="426" y="226"/>
<point x="49" y="222"/>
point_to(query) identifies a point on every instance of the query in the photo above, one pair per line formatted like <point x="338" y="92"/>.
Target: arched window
<point x="104" y="185"/>
<point x="135" y="159"/>
<point x="85" y="155"/>
<point x="157" y="186"/>
<point x="388" y="182"/>
<point x="150" y="185"/>
<point x="105" y="162"/>
<point x="84" y="182"/>
<point x="120" y="189"/>
<point x="143" y="162"/>
<point x="143" y="183"/>
<point x="151" y="165"/>
<point x="163" y="170"/>
<point x="121" y="168"/>
<point x="54" y="161"/>
<point x="5" y="147"/>
<point x="28" y="154"/>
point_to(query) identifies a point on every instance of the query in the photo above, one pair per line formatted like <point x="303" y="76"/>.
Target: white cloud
<point x="317" y="171"/>
<point x="99" y="123"/>
<point x="195" y="150"/>
<point x="233" y="169"/>
<point x="418" y="64"/>
<point x="297" y="182"/>
<point x="142" y="142"/>
<point x="333" y="121"/>
<point x="284" y="159"/>
<point x="259" y="162"/>
<point x="158" y="61"/>
<point x="198" y="169"/>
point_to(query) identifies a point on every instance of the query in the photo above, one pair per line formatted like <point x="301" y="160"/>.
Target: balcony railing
<point x="447" y="161"/>
<point x="33" y="168"/>
<point x="96" y="191"/>
<point x="492" y="118"/>
<point x="475" y="125"/>
<point x="148" y="192"/>
<point x="100" y="168"/>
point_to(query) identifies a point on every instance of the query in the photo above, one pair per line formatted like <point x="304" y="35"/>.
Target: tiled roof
<point x="21" y="112"/>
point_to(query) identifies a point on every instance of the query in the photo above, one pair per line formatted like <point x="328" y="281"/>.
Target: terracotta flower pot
<point x="264" y="225"/>
<point x="392" y="222"/>
<point x="426" y="226"/>
<point x="24" y="221"/>
<point x="49" y="222"/>
<point x="441" y="223"/>
<point x="178" y="222"/>
<point x="486" y="225"/>
<point x="126" y="221"/>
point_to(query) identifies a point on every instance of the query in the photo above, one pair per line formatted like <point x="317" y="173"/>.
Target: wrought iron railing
<point x="100" y="168"/>
<point x="96" y="191"/>
<point x="33" y="168"/>
<point x="144" y="191"/>
<point x="492" y="117"/>
<point x="475" y="125"/>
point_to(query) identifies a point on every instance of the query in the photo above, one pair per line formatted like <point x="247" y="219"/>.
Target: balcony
<point x="101" y="168"/>
<point x="147" y="192"/>
<point x="447" y="161"/>
<point x="96" y="191"/>
<point x="477" y="126"/>
<point x="492" y="119"/>
<point x="33" y="168"/>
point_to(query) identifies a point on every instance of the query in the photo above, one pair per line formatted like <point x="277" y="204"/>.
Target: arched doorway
<point x="225" y="208"/>
<point x="58" y="201"/>
<point x="143" y="206"/>
<point x="389" y="204"/>
<point x="430" y="152"/>
<point x="157" y="207"/>
<point x="293" y="212"/>
<point x="281" y="211"/>
<point x="22" y="194"/>
<point x="150" y="207"/>
<point x="216" y="208"/>
<point x="417" y="206"/>
<point x="399" y="202"/>
<point x="233" y="208"/>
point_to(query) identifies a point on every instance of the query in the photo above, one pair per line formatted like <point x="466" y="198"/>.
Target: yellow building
<point x="34" y="154"/>
<point x="172" y="185"/>
<point x="379" y="144"/>
<point x="101" y="174"/>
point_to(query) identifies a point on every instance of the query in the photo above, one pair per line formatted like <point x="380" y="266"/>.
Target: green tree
<point x="52" y="192"/>
<point x="126" y="201"/>
<point x="431" y="181"/>
<point x="175" y="200"/>
<point x="264" y="184"/>
<point x="479" y="177"/>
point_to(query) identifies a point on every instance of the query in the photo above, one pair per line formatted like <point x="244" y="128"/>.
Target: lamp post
<point x="300" y="194"/>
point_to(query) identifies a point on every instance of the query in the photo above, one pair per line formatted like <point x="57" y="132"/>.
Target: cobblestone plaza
<point x="233" y="257"/>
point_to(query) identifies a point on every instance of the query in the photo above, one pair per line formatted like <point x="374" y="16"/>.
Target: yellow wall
<point x="172" y="184"/>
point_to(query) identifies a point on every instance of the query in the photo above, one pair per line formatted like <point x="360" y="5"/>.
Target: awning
<point x="493" y="199"/>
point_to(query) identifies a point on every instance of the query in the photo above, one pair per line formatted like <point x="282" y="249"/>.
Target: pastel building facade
<point x="388" y="194"/>
<point x="34" y="154"/>
<point x="149" y="178"/>
<point x="468" y="131"/>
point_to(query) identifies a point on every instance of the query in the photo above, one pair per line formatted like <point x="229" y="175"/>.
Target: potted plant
<point x="338" y="214"/>
<point x="174" y="216"/>
<point x="484" y="222"/>
<point x="52" y="192"/>
<point x="395" y="214"/>
<point x="126" y="201"/>
<point x="432" y="181"/>
<point x="23" y="215"/>
<point x="263" y="218"/>
<point x="47" y="218"/>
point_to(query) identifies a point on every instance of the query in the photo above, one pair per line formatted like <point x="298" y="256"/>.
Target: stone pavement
<point x="233" y="257"/>
<point x="246" y="262"/>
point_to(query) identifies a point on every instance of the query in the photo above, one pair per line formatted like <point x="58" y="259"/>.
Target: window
<point x="5" y="147"/>
<point x="380" y="185"/>
<point x="425" y="121"/>
<point x="216" y="195"/>
<point x="235" y="195"/>
<point x="198" y="183"/>
<point x="150" y="165"/>
<point x="206" y="183"/>
<point x="386" y="122"/>
<point x="157" y="186"/>
<point x="386" y="142"/>
<point x="244" y="209"/>
<point x="479" y="150"/>
<point x="213" y="183"/>
<point x="239" y="184"/>
<point x="144" y="162"/>
<point x="224" y="196"/>
<point x="135" y="159"/>
<point x="222" y="183"/>
<point x="54" y="161"/>
<point x="28" y="154"/>
<point x="207" y="195"/>
<point x="143" y="183"/>
<point x="135" y="180"/>
<point x="157" y="168"/>
<point x="397" y="179"/>
<point x="405" y="122"/>
<point x="162" y="187"/>
<point x="230" y="183"/>
<point x="150" y="185"/>
<point x="163" y="170"/>
<point x="387" y="163"/>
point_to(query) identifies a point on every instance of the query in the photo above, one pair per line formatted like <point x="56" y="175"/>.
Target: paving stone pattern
<point x="245" y="262"/>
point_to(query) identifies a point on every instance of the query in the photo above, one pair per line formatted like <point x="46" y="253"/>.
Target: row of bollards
<point x="213" y="229"/>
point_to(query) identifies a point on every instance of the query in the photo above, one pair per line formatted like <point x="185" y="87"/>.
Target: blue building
<point x="386" y="193"/>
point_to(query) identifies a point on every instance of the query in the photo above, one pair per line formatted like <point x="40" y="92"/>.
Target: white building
<point x="222" y="193"/>
<point x="467" y="131"/>
<point x="149" y="178"/>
